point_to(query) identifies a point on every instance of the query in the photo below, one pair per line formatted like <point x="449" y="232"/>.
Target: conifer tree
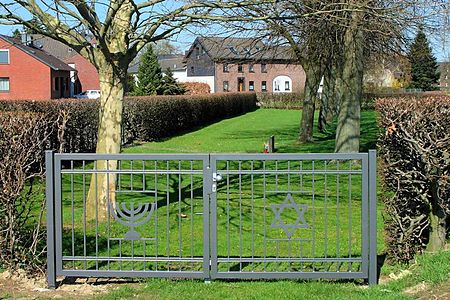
<point x="149" y="75"/>
<point x="424" y="74"/>
<point x="170" y="86"/>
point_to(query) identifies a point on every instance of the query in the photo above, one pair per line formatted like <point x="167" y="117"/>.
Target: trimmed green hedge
<point x="144" y="118"/>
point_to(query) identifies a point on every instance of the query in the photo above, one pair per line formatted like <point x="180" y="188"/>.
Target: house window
<point x="263" y="86"/>
<point x="287" y="86"/>
<point x="263" y="68"/>
<point x="226" y="68"/>
<point x="4" y="85"/>
<point x="240" y="68"/>
<point x="276" y="87"/>
<point x="4" y="56"/>
<point x="225" y="86"/>
<point x="251" y="86"/>
<point x="251" y="68"/>
<point x="197" y="52"/>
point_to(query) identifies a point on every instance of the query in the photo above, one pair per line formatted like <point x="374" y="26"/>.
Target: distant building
<point x="173" y="61"/>
<point x="243" y="64"/>
<point x="86" y="75"/>
<point x="444" y="80"/>
<point x="28" y="72"/>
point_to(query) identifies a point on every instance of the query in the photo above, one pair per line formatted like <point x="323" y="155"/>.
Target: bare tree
<point x="110" y="34"/>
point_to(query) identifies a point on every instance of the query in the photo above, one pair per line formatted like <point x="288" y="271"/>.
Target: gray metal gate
<point x="212" y="215"/>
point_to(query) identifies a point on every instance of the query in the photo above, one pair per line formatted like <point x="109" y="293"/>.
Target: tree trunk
<point x="313" y="76"/>
<point x="438" y="224"/>
<point x="327" y="101"/>
<point x="348" y="129"/>
<point x="102" y="187"/>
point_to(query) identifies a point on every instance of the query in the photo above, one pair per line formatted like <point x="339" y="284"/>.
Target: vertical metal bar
<point x="143" y="176"/>
<point x="240" y="216"/>
<point x="73" y="213"/>
<point x="325" y="212"/>
<point x="253" y="213"/>
<point x="276" y="176"/>
<point x="156" y="217"/>
<point x="131" y="175"/>
<point x="337" y="214"/>
<point x="192" y="210"/>
<point x="350" y="211"/>
<point x="365" y="216"/>
<point x="209" y="225"/>
<point x="109" y="213"/>
<point x="313" y="188"/>
<point x="96" y="214"/>
<point x="120" y="179"/>
<point x="180" y="245"/>
<point x="84" y="215"/>
<point x="289" y="189"/>
<point x="167" y="214"/>
<point x="265" y="225"/>
<point x="373" y="272"/>
<point x="50" y="197"/>
<point x="58" y="212"/>
<point x="228" y="215"/>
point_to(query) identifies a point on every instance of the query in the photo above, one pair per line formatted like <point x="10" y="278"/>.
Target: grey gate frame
<point x="254" y="215"/>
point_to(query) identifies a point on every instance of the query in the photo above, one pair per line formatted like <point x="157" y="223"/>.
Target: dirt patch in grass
<point x="21" y="287"/>
<point x="424" y="291"/>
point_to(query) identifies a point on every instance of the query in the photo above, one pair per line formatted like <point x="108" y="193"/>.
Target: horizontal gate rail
<point x="212" y="216"/>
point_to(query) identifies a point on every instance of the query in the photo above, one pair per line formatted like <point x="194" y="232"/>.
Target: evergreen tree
<point x="16" y="33"/>
<point x="170" y="86"/>
<point x="424" y="74"/>
<point x="149" y="75"/>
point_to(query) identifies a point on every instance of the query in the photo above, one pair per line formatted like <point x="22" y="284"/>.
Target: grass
<point x="240" y="215"/>
<point x="249" y="132"/>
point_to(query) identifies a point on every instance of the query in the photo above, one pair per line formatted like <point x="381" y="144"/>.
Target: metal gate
<point x="211" y="215"/>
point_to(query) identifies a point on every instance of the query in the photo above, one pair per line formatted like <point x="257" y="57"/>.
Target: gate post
<point x="50" y="192"/>
<point x="373" y="271"/>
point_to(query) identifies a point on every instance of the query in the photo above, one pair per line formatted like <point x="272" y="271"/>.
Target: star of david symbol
<point x="299" y="222"/>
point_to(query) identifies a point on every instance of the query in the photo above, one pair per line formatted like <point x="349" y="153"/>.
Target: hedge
<point x="415" y="152"/>
<point x="144" y="118"/>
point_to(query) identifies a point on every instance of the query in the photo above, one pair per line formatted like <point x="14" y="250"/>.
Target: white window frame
<point x="9" y="85"/>
<point x="9" y="59"/>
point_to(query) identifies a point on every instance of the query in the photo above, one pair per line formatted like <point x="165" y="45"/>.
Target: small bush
<point x="280" y="100"/>
<point x="196" y="88"/>
<point x="415" y="149"/>
<point x="23" y="139"/>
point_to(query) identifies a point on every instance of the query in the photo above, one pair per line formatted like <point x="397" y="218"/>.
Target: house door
<point x="241" y="84"/>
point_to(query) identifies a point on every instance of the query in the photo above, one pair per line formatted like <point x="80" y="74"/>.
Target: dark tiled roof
<point x="52" y="46"/>
<point x="231" y="48"/>
<point x="47" y="59"/>
<point x="174" y="62"/>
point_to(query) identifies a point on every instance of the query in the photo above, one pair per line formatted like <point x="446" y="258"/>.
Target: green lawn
<point x="248" y="133"/>
<point x="240" y="214"/>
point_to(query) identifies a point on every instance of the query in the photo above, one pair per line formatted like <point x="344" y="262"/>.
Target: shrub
<point x="144" y="118"/>
<point x="280" y="100"/>
<point x="23" y="139"/>
<point x="415" y="149"/>
<point x="197" y="88"/>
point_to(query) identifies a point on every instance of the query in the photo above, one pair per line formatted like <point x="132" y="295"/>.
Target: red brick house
<point x="86" y="77"/>
<point x="243" y="64"/>
<point x="29" y="73"/>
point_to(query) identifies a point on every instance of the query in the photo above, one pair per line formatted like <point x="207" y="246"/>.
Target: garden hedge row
<point x="415" y="151"/>
<point x="144" y="118"/>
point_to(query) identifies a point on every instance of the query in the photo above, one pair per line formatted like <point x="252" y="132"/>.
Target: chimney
<point x="27" y="39"/>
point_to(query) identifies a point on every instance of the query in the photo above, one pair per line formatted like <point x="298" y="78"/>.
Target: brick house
<point x="28" y="72"/>
<point x="86" y="75"/>
<point x="243" y="64"/>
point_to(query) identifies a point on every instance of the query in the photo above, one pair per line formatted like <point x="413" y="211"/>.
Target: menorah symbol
<point x="132" y="217"/>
